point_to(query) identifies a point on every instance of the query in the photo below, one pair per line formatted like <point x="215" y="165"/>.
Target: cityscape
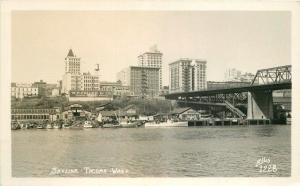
<point x="120" y="110"/>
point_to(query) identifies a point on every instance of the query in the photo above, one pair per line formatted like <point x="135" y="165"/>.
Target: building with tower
<point x="77" y="84"/>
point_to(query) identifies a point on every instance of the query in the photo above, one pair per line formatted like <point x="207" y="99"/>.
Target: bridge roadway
<point x="249" y="88"/>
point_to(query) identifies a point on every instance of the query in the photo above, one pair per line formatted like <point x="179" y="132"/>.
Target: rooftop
<point x="70" y="54"/>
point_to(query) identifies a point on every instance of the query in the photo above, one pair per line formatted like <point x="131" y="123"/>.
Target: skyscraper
<point x="153" y="58"/>
<point x="187" y="75"/>
<point x="72" y="63"/>
<point x="74" y="80"/>
<point x="143" y="81"/>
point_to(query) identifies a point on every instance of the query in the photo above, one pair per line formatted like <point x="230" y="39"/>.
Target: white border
<point x="6" y="9"/>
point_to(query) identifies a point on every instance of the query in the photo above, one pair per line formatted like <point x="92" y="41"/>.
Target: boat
<point x="40" y="126"/>
<point x="87" y="124"/>
<point x="65" y="126"/>
<point x="49" y="126"/>
<point x="15" y="125"/>
<point x="168" y="123"/>
<point x="110" y="125"/>
<point x="76" y="125"/>
<point x="128" y="124"/>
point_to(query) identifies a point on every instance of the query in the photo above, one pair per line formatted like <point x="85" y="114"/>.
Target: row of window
<point x="24" y="117"/>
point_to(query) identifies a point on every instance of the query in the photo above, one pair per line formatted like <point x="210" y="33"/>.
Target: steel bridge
<point x="257" y="95"/>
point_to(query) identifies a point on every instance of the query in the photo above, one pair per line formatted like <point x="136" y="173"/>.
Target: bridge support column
<point x="260" y="105"/>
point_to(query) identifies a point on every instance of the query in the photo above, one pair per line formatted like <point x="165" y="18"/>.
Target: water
<point x="158" y="152"/>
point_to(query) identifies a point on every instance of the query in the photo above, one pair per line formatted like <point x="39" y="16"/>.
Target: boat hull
<point x="128" y="125"/>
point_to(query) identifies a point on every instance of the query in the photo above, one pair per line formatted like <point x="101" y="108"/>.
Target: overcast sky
<point x="244" y="40"/>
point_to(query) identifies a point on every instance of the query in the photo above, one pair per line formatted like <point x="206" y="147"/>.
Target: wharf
<point x="227" y="122"/>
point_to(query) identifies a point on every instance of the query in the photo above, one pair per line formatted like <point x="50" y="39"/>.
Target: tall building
<point x="187" y="75"/>
<point x="72" y="63"/>
<point x="143" y="81"/>
<point x="75" y="81"/>
<point x="153" y="58"/>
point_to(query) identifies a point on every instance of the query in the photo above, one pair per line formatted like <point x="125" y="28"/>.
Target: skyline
<point x="41" y="40"/>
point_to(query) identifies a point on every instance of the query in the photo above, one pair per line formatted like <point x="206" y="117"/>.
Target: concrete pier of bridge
<point x="260" y="105"/>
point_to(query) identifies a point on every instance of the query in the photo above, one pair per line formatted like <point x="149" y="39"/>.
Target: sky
<point x="245" y="40"/>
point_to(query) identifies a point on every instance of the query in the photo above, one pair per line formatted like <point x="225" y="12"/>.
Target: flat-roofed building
<point x="187" y="75"/>
<point x="35" y="114"/>
<point x="143" y="81"/>
<point x="21" y="90"/>
<point x="152" y="58"/>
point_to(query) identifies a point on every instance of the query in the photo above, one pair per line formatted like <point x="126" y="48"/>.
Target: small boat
<point x="109" y="125"/>
<point x="65" y="126"/>
<point x="168" y="123"/>
<point x="128" y="124"/>
<point x="15" y="125"/>
<point x="76" y="125"/>
<point x="87" y="124"/>
<point x="40" y="126"/>
<point x="49" y="126"/>
<point x="23" y="126"/>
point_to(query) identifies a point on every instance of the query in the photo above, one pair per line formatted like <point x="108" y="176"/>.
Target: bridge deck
<point x="249" y="88"/>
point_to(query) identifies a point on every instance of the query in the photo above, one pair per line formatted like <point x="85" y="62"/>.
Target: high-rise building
<point x="74" y="80"/>
<point x="153" y="58"/>
<point x="143" y="81"/>
<point x="72" y="63"/>
<point x="187" y="75"/>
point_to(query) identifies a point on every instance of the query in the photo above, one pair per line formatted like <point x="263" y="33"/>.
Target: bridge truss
<point x="264" y="80"/>
<point x="273" y="75"/>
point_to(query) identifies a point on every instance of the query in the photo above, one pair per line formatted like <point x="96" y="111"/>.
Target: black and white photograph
<point x="149" y="93"/>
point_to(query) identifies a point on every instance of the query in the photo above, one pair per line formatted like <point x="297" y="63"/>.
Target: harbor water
<point x="235" y="151"/>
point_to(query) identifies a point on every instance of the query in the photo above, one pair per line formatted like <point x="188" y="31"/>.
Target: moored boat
<point x="109" y="125"/>
<point x="87" y="124"/>
<point x="129" y="124"/>
<point x="40" y="126"/>
<point x="15" y="125"/>
<point x="49" y="126"/>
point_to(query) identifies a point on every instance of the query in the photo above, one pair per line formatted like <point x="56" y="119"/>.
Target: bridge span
<point x="257" y="95"/>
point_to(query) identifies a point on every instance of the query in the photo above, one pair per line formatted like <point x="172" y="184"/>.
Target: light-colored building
<point x="89" y="82"/>
<point x="143" y="81"/>
<point x="153" y="58"/>
<point x="75" y="81"/>
<point x="21" y="90"/>
<point x="72" y="63"/>
<point x="233" y="74"/>
<point x="71" y="82"/>
<point x="123" y="76"/>
<point x="115" y="88"/>
<point x="187" y="75"/>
